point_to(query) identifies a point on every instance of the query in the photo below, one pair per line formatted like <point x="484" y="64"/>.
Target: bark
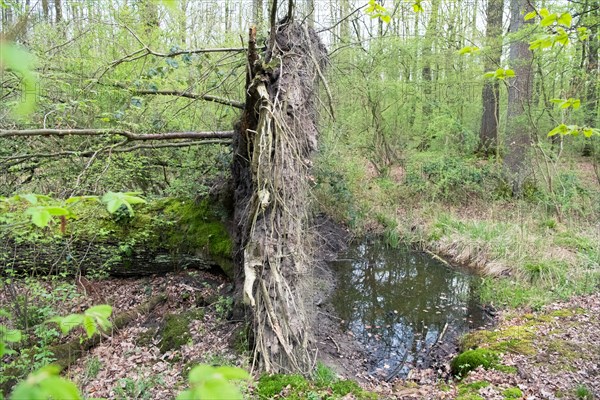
<point x="488" y="133"/>
<point x="276" y="136"/>
<point x="518" y="135"/>
<point x="57" y="11"/>
<point x="591" y="96"/>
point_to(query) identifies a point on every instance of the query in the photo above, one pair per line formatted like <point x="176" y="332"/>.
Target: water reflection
<point x="399" y="303"/>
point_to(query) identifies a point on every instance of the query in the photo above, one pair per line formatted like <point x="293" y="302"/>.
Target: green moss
<point x="198" y="226"/>
<point x="512" y="393"/>
<point x="175" y="332"/>
<point x="146" y="338"/>
<point x="469" y="391"/>
<point x="471" y="359"/>
<point x="513" y="339"/>
<point x="344" y="387"/>
<point x="272" y="385"/>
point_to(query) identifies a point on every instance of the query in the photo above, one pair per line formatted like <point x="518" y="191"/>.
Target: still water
<point x="399" y="303"/>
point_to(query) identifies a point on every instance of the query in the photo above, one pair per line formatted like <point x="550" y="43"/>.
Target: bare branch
<point x="112" y="149"/>
<point x="206" y="97"/>
<point x="129" y="135"/>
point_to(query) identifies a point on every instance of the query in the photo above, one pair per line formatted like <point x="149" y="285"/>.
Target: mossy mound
<point x="511" y="339"/>
<point x="272" y="385"/>
<point x="175" y="332"/>
<point x="471" y="359"/>
<point x="512" y="393"/>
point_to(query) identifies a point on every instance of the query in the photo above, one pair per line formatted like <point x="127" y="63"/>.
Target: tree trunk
<point x="57" y="11"/>
<point x="488" y="133"/>
<point x="275" y="138"/>
<point x="426" y="71"/>
<point x="591" y="93"/>
<point x="518" y="135"/>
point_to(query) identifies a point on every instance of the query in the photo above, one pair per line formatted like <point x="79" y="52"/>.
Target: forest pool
<point x="399" y="303"/>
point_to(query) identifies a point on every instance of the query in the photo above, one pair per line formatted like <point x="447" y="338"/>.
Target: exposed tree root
<point x="277" y="135"/>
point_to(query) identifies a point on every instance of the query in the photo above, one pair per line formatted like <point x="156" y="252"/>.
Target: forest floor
<point x="550" y="354"/>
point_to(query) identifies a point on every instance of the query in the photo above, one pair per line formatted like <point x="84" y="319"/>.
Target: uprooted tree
<point x="273" y="142"/>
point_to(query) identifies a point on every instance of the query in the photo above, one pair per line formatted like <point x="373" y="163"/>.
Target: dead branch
<point x="129" y="135"/>
<point x="109" y="149"/>
<point x="195" y="96"/>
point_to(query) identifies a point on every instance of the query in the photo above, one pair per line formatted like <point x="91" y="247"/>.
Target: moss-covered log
<point x="66" y="354"/>
<point x="162" y="236"/>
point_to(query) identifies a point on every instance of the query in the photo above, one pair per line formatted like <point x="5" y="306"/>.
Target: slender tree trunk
<point x="45" y="10"/>
<point x="257" y="14"/>
<point x="488" y="133"/>
<point x="518" y="135"/>
<point x="57" y="11"/>
<point x="591" y="93"/>
<point x="426" y="71"/>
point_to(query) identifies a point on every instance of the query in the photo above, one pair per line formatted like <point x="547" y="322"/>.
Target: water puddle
<point x="400" y="303"/>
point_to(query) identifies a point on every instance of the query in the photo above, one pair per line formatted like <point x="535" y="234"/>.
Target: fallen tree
<point x="273" y="143"/>
<point x="162" y="236"/>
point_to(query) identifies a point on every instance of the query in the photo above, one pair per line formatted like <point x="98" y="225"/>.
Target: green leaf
<point x="549" y="20"/>
<point x="544" y="12"/>
<point x="565" y="19"/>
<point x="560" y="129"/>
<point x="68" y="323"/>
<point x="530" y="15"/>
<point x="60" y="388"/>
<point x="40" y="217"/>
<point x="386" y="18"/>
<point x="89" y="325"/>
<point x="217" y="389"/>
<point x="10" y="335"/>
<point x="22" y="63"/>
<point x="100" y="311"/>
<point x="509" y="73"/>
<point x="232" y="373"/>
<point x="30" y="197"/>
<point x="58" y="211"/>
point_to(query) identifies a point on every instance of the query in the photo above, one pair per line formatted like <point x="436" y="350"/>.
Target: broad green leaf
<point x="30" y="197"/>
<point x="509" y="73"/>
<point x="39" y="216"/>
<point x="89" y="325"/>
<point x="100" y="311"/>
<point x="200" y="373"/>
<point x="565" y="19"/>
<point x="544" y="12"/>
<point x="22" y="63"/>
<point x="60" y="388"/>
<point x="58" y="211"/>
<point x="490" y="74"/>
<point x="530" y="15"/>
<point x="560" y="129"/>
<point x="68" y="323"/>
<point x="548" y="20"/>
<point x="10" y="335"/>
<point x="386" y="18"/>
<point x="217" y="389"/>
<point x="232" y="373"/>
